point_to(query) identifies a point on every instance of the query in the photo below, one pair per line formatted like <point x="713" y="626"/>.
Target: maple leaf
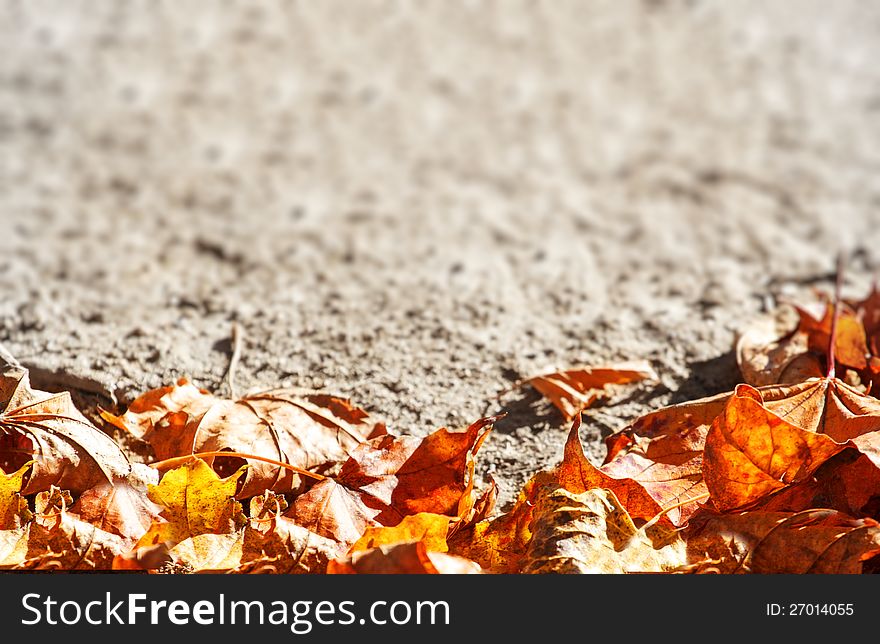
<point x="122" y="509"/>
<point x="308" y="432"/>
<point x="332" y="510"/>
<point x="573" y="390"/>
<point x="813" y="541"/>
<point x="793" y="343"/>
<point x="67" y="450"/>
<point x="402" y="559"/>
<point x="660" y="467"/>
<point x="196" y="501"/>
<point x="751" y="452"/>
<point x="14" y="511"/>
<point x="741" y="447"/>
<point x="407" y="475"/>
<point x="848" y="482"/>
<point x="776" y="436"/>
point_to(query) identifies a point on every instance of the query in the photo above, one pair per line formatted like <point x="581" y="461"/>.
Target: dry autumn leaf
<point x="751" y="452"/>
<point x="655" y="472"/>
<point x="789" y="345"/>
<point x="848" y="482"/>
<point x="195" y="501"/>
<point x="740" y="447"/>
<point x="309" y="432"/>
<point x="57" y="540"/>
<point x="771" y="350"/>
<point x="406" y="475"/>
<point x="390" y="478"/>
<point x="14" y="511"/>
<point x="573" y="390"/>
<point x="122" y="509"/>
<point x="403" y="559"/>
<point x="425" y="527"/>
<point x="813" y="541"/>
<point x="67" y="450"/>
<point x="591" y="532"/>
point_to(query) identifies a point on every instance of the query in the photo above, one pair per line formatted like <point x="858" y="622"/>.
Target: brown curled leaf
<point x="573" y="390"/>
<point x="46" y="428"/>
<point x="308" y="431"/>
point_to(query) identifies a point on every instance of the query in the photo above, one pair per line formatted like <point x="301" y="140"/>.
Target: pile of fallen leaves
<point x="780" y="475"/>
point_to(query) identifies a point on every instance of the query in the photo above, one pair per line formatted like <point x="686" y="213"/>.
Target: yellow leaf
<point x="196" y="501"/>
<point x="431" y="529"/>
<point x="13" y="506"/>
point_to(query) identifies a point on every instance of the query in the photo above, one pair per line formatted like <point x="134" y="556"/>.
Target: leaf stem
<point x="169" y="463"/>
<point x="835" y="316"/>
<point x="237" y="334"/>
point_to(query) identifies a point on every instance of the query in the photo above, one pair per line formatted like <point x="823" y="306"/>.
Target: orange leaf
<point x="308" y="432"/>
<point x="120" y="509"/>
<point x="402" y="559"/>
<point x="430" y="529"/>
<point x="408" y="475"/>
<point x="815" y="541"/>
<point x="334" y="511"/>
<point x="751" y="452"/>
<point x="660" y="468"/>
<point x="573" y="390"/>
